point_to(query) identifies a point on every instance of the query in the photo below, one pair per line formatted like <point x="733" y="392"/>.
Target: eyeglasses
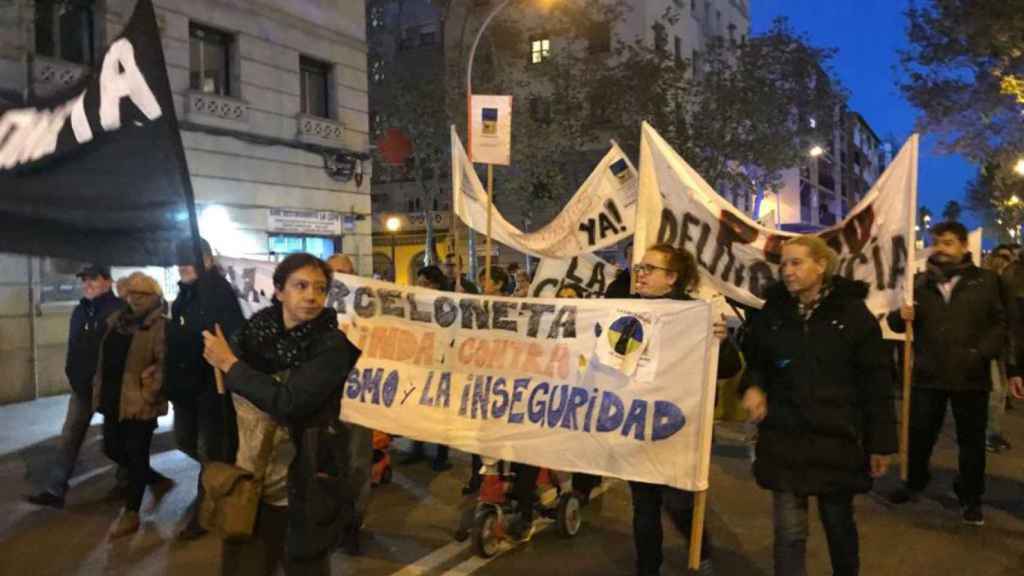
<point x="646" y="269"/>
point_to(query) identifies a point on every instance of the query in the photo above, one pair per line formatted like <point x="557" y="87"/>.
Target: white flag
<point x="740" y="257"/>
<point x="601" y="213"/>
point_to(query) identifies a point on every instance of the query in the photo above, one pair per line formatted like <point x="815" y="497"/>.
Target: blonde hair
<point x="819" y="250"/>
<point x="139" y="282"/>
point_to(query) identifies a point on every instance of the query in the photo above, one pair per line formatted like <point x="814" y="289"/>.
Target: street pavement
<point x="409" y="530"/>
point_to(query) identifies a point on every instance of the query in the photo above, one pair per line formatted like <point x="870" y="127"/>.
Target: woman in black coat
<point x="819" y="383"/>
<point x="289" y="362"/>
<point x="669" y="272"/>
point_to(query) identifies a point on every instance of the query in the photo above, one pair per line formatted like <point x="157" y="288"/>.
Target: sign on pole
<point x="492" y="129"/>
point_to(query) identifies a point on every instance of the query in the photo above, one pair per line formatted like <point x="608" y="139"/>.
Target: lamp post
<point x="393" y="224"/>
<point x="1019" y="167"/>
<point x="815" y="151"/>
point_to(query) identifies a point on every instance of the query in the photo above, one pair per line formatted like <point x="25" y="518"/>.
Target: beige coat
<point x="141" y="398"/>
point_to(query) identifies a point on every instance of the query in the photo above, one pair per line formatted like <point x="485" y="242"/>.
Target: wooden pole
<point x="908" y="365"/>
<point x="700" y="507"/>
<point x="490" y="211"/>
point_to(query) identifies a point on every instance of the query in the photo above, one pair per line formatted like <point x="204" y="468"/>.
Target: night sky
<point x="867" y="34"/>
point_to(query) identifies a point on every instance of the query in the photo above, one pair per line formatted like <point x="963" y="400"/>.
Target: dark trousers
<point x="262" y="554"/>
<point x="585" y="483"/>
<point x="648" y="501"/>
<point x="76" y="425"/>
<point x="127" y="442"/>
<point x="790" y="519"/>
<point x="419" y="449"/>
<point x="927" y="412"/>
<point x="524" y="489"/>
<point x="205" y="428"/>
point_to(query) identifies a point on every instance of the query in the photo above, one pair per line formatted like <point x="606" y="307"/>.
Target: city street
<point x="410" y="525"/>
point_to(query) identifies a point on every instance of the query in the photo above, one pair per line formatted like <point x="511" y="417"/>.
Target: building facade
<point x="272" y="100"/>
<point x="424" y="40"/>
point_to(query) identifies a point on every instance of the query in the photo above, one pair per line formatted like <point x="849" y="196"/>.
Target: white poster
<point x="492" y="129"/>
<point x="740" y="258"/>
<point x="587" y="273"/>
<point x="600" y="213"/>
<point x="619" y="388"/>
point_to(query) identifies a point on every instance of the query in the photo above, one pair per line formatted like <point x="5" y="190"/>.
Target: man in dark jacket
<point x="204" y="421"/>
<point x="959" y="328"/>
<point x="88" y="323"/>
<point x="818" y="382"/>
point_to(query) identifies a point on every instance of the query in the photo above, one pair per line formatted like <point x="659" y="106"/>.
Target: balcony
<point x="323" y="131"/>
<point x="217" y="110"/>
<point x="51" y="75"/>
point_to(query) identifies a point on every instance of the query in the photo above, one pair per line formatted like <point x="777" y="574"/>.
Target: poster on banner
<point x="587" y="273"/>
<point x="609" y="387"/>
<point x="492" y="129"/>
<point x="253" y="281"/>
<point x="97" y="172"/>
<point x="600" y="214"/>
<point x="740" y="258"/>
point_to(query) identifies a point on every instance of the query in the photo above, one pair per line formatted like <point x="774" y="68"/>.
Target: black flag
<point x="98" y="173"/>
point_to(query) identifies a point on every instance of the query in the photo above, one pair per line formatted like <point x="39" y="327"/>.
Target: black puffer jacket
<point x="954" y="343"/>
<point x="308" y="402"/>
<point x="830" y="392"/>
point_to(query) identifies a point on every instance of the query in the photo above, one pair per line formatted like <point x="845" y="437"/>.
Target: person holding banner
<point x="819" y="384"/>
<point x="669" y="272"/>
<point x="204" y="421"/>
<point x="288" y="362"/>
<point x="960" y="325"/>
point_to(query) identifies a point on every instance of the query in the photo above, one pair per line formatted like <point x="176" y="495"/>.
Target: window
<point x="318" y="246"/>
<point x="600" y="38"/>
<point x="65" y="29"/>
<point x="376" y="17"/>
<point x="697" y="64"/>
<point x="209" y="55"/>
<point x="718" y="22"/>
<point x="806" y="198"/>
<point x="679" y="49"/>
<point x="428" y="38"/>
<point x="314" y="90"/>
<point x="377" y="71"/>
<point x="540" y="110"/>
<point x="540" y="50"/>
<point x="660" y="37"/>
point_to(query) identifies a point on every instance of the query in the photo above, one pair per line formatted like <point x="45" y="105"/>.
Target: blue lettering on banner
<point x="668" y="419"/>
<point x="555" y="414"/>
<point x="609" y="417"/>
<point x="498" y="391"/>
<point x="390" y="388"/>
<point x="636" y="418"/>
<point x="518" y="387"/>
<point x="481" y="397"/>
<point x="577" y="400"/>
<point x="537" y="408"/>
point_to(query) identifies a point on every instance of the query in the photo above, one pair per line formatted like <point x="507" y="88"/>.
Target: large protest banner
<point x="619" y="388"/>
<point x="741" y="258"/>
<point x="589" y="274"/>
<point x="600" y="214"/>
<point x="98" y="173"/>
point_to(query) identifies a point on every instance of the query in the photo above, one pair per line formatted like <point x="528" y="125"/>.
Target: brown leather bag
<point x="232" y="494"/>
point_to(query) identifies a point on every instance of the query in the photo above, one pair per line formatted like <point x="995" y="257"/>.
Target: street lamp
<point x="393" y="224"/>
<point x="1019" y="167"/>
<point x="816" y="151"/>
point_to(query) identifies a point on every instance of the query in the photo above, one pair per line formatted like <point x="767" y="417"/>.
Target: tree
<point x="996" y="195"/>
<point x="963" y="71"/>
<point x="951" y="212"/>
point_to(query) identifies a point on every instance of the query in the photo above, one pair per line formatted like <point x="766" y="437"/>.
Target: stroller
<point x="487" y="522"/>
<point x="381" y="471"/>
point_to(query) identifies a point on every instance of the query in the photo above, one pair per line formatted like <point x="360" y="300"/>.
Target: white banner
<point x="740" y="258"/>
<point x="601" y="213"/>
<point x="619" y="388"/>
<point x="492" y="129"/>
<point x="587" y="273"/>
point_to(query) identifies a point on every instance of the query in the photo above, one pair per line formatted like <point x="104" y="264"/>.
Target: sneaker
<point x="46" y="499"/>
<point x="903" y="496"/>
<point x="126" y="525"/>
<point x="972" y="515"/>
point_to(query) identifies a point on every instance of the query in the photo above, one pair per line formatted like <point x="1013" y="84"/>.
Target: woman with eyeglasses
<point x="668" y="272"/>
<point x="285" y="370"/>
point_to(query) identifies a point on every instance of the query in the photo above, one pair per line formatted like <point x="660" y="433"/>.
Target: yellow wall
<point x="405" y="253"/>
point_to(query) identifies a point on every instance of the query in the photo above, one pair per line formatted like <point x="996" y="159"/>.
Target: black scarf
<point x="129" y="321"/>
<point x="942" y="272"/>
<point x="266" y="346"/>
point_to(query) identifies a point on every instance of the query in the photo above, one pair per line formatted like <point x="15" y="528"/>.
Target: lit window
<point x="318" y="246"/>
<point x="540" y="50"/>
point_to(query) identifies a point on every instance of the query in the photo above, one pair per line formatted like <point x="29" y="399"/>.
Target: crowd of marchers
<point x="818" y="380"/>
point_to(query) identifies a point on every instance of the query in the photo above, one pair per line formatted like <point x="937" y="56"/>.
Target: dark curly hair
<point x="682" y="263"/>
<point x="296" y="262"/>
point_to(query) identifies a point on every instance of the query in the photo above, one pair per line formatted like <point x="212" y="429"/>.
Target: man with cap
<point x="204" y="420"/>
<point x="88" y="323"/>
